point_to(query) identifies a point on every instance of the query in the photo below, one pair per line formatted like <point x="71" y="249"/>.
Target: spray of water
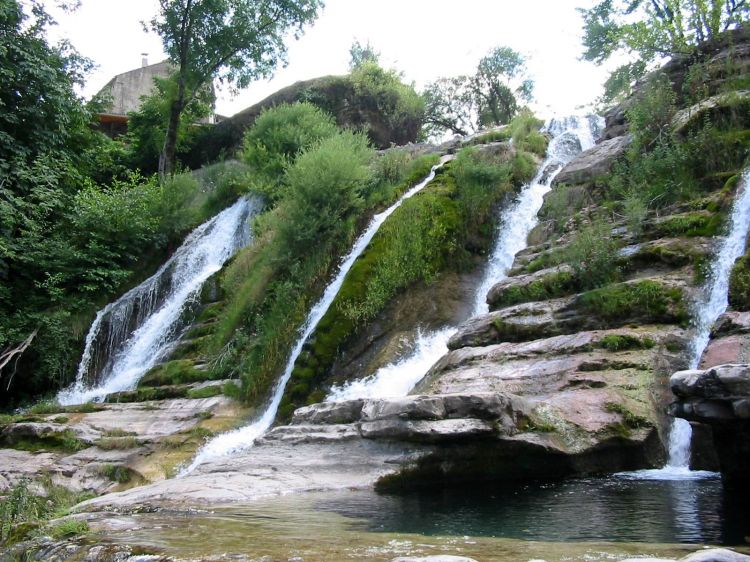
<point x="130" y="335"/>
<point x="570" y="135"/>
<point x="243" y="438"/>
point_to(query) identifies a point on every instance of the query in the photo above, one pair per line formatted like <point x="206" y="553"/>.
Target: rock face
<point x="595" y="162"/>
<point x="82" y="450"/>
<point x="720" y="398"/>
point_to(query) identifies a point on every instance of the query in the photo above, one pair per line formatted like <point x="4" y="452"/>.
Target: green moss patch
<point x="550" y="286"/>
<point x="647" y="301"/>
<point x="739" y="284"/>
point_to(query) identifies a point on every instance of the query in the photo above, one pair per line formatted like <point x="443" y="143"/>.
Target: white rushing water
<point x="244" y="437"/>
<point x="712" y="303"/>
<point x="571" y="135"/>
<point x="130" y="335"/>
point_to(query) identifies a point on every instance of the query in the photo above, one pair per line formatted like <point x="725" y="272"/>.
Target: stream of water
<point x="712" y="303"/>
<point x="130" y="335"/>
<point x="244" y="437"/>
<point x="570" y="136"/>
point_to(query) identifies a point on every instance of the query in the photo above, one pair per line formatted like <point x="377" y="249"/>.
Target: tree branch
<point x="15" y="352"/>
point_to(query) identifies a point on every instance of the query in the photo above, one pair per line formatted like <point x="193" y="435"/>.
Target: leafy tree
<point x="362" y="53"/>
<point x="499" y="82"/>
<point x="147" y="126"/>
<point x="489" y="97"/>
<point x="651" y="29"/>
<point x="236" y="41"/>
<point x="449" y="106"/>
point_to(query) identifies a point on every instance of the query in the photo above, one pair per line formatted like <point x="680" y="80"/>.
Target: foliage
<point x="549" y="286"/>
<point x="69" y="528"/>
<point x="645" y="300"/>
<point x="22" y="510"/>
<point x="653" y="29"/>
<point x="739" y="284"/>
<point x="278" y="135"/>
<point x="449" y="106"/>
<point x="235" y="41"/>
<point x="593" y="255"/>
<point x="499" y="82"/>
<point x="360" y="54"/>
<point x="382" y="92"/>
<point x="488" y="98"/>
<point x="442" y="228"/>
<point x="323" y="197"/>
<point x="147" y="126"/>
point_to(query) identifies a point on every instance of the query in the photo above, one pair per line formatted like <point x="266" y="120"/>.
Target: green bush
<point x="323" y="196"/>
<point x="593" y="255"/>
<point x="67" y="529"/>
<point x="642" y="300"/>
<point x="278" y="135"/>
<point x="739" y="284"/>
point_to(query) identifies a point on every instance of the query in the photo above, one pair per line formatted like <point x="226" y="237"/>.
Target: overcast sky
<point x="424" y="39"/>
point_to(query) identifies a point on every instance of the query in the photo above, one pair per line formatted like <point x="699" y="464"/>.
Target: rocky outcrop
<point x="720" y="398"/>
<point x="110" y="446"/>
<point x="337" y="95"/>
<point x="730" y="50"/>
<point x="595" y="162"/>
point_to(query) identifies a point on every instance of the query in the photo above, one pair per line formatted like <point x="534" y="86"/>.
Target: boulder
<point x="706" y="555"/>
<point x="595" y="162"/>
<point x="720" y="398"/>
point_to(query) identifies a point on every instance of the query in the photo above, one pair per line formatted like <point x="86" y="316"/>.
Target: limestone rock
<point x="594" y="162"/>
<point x="706" y="555"/>
<point x="720" y="398"/>
<point x="436" y="558"/>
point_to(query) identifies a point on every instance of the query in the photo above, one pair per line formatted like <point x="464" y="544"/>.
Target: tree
<point x="362" y="53"/>
<point x="489" y="97"/>
<point x="235" y="41"/>
<point x="146" y="127"/>
<point x="449" y="106"/>
<point x="499" y="82"/>
<point x="652" y="29"/>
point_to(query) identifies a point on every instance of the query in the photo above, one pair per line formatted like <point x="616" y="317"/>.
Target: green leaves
<point x="466" y="103"/>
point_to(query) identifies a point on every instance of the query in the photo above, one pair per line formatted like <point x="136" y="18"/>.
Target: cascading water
<point x="244" y="437"/>
<point x="130" y="335"/>
<point x="711" y="304"/>
<point x="571" y="135"/>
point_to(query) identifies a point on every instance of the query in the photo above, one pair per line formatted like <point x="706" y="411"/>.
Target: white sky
<point x="424" y="39"/>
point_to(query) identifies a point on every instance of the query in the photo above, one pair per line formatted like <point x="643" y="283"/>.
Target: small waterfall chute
<point x="130" y="335"/>
<point x="712" y="303"/>
<point x="244" y="437"/>
<point x="570" y="136"/>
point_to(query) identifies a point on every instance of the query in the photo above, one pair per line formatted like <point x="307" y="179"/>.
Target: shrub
<point x="278" y="135"/>
<point x="593" y="255"/>
<point x="67" y="529"/>
<point x="739" y="284"/>
<point x="323" y="196"/>
<point x="645" y="299"/>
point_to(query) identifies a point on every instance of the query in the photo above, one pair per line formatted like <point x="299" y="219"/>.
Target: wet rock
<point x="329" y="412"/>
<point x="540" y="285"/>
<point x="706" y="555"/>
<point x="437" y="558"/>
<point x="720" y="398"/>
<point x="428" y="431"/>
<point x="595" y="162"/>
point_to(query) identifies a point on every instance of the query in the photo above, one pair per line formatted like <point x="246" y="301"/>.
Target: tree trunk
<point x="168" y="156"/>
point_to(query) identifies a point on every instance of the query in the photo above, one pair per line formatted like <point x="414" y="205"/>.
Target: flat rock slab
<point x="594" y="162"/>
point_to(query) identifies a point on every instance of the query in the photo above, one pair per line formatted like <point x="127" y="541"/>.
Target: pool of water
<point x="682" y="511"/>
<point x="596" y="520"/>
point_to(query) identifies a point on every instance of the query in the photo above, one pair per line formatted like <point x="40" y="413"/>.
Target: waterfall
<point x="570" y="136"/>
<point x="244" y="437"/>
<point x="712" y="302"/>
<point x="130" y="335"/>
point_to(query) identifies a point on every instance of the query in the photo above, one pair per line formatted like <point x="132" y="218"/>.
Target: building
<point x="125" y="92"/>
